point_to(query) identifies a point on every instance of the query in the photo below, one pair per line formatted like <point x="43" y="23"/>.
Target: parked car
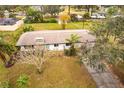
<point x="94" y="16"/>
<point x="98" y="16"/>
<point x="118" y="15"/>
<point x="75" y="17"/>
<point x="101" y="15"/>
<point x="79" y="17"/>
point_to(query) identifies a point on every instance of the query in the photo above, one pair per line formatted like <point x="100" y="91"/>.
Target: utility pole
<point x="69" y="8"/>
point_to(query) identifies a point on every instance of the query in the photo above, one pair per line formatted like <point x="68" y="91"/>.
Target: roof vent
<point x="39" y="40"/>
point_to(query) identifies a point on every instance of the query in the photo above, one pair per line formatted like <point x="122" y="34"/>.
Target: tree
<point x="33" y="16"/>
<point x="21" y="8"/>
<point x="2" y="55"/>
<point x="112" y="10"/>
<point x="69" y="8"/>
<point x="52" y="9"/>
<point x="63" y="17"/>
<point x="36" y="56"/>
<point x="106" y="48"/>
<point x="5" y="55"/>
<point x="5" y="50"/>
<point x="72" y="40"/>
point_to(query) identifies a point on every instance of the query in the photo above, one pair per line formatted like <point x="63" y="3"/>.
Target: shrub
<point x="5" y="84"/>
<point x="22" y="81"/>
<point x="12" y="15"/>
<point x="70" y="52"/>
<point x="73" y="18"/>
<point x="112" y="10"/>
<point x="66" y="52"/>
<point x="86" y="16"/>
<point x="50" y="20"/>
<point x="28" y="28"/>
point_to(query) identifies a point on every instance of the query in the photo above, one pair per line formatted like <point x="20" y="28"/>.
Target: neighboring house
<point x="53" y="39"/>
<point x="98" y="15"/>
<point x="37" y="7"/>
<point x="10" y="24"/>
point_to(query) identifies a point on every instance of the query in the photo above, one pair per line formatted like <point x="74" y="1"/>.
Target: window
<point x="39" y="40"/>
<point x="68" y="44"/>
<point x="28" y="47"/>
<point x="47" y="46"/>
<point x="32" y="46"/>
<point x="56" y="45"/>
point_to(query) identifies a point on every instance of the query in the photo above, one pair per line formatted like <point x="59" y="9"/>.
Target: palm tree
<point x="6" y="53"/>
<point x="73" y="39"/>
<point x="2" y="56"/>
<point x="2" y="53"/>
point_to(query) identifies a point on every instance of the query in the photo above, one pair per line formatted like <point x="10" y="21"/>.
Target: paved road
<point x="103" y="79"/>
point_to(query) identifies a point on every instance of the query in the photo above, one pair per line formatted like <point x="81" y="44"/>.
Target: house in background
<point x="52" y="39"/>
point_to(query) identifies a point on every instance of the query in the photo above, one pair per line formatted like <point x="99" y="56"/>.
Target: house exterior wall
<point x="60" y="47"/>
<point x="57" y="48"/>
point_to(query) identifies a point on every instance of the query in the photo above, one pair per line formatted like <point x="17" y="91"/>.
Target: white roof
<point x="53" y="36"/>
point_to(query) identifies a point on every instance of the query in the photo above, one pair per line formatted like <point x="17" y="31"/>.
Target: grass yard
<point x="56" y="26"/>
<point x="12" y="37"/>
<point x="59" y="71"/>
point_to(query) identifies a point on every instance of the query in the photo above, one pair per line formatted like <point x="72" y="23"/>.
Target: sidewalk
<point x="103" y="79"/>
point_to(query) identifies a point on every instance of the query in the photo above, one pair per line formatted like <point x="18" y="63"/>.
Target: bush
<point x="27" y="20"/>
<point x="22" y="81"/>
<point x="12" y="15"/>
<point x="70" y="52"/>
<point x="121" y="41"/>
<point x="5" y="84"/>
<point x="28" y="28"/>
<point x="66" y="52"/>
<point x="50" y="20"/>
<point x="73" y="18"/>
<point x="86" y="16"/>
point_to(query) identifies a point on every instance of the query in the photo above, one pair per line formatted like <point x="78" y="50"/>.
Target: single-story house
<point x="53" y="39"/>
<point x="10" y="24"/>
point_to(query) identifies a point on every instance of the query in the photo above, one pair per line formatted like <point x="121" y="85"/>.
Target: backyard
<point x="58" y="71"/>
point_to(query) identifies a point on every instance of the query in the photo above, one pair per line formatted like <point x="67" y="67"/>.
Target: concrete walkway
<point x="104" y="79"/>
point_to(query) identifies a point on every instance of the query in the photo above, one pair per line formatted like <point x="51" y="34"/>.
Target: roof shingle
<point x="53" y="36"/>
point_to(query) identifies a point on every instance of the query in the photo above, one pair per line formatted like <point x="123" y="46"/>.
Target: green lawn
<point x="58" y="71"/>
<point x="56" y="26"/>
<point x="12" y="37"/>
